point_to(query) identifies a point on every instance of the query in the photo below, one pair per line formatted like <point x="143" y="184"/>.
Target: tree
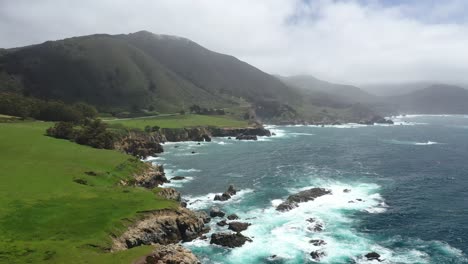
<point x="62" y="130"/>
<point x="86" y="110"/>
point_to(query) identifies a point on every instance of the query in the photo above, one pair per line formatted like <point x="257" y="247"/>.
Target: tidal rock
<point x="238" y="226"/>
<point x="304" y="196"/>
<point x="317" y="255"/>
<point x="222" y="197"/>
<point x="226" y="195"/>
<point x="177" y="178"/>
<point x="346" y="190"/>
<point x="231" y="190"/>
<point x="373" y="256"/>
<point x="172" y="253"/>
<point x="317" y="242"/>
<point x="315" y="225"/>
<point x="229" y="240"/>
<point x="222" y="223"/>
<point x="232" y="217"/>
<point x="216" y="212"/>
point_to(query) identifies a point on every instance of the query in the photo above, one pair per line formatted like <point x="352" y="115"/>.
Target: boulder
<point x="229" y="240"/>
<point x="238" y="226"/>
<point x="216" y="212"/>
<point x="177" y="178"/>
<point x="232" y="217"/>
<point x="304" y="196"/>
<point x="346" y="190"/>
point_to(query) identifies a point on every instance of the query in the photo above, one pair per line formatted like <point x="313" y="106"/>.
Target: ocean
<point x="408" y="198"/>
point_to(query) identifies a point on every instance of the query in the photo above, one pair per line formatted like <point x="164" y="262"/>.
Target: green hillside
<point x="144" y="71"/>
<point x="46" y="216"/>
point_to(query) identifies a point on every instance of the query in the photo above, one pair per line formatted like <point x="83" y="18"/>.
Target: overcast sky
<point x="355" y="41"/>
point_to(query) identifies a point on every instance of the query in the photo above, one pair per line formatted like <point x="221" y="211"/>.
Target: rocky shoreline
<point x="166" y="229"/>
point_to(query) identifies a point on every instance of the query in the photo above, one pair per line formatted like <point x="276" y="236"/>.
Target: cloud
<point x="359" y="41"/>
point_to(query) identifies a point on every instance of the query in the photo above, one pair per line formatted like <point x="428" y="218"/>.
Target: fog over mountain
<point x="350" y="41"/>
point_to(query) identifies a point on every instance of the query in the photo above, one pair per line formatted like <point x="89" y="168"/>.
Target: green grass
<point x="46" y="217"/>
<point x="180" y="121"/>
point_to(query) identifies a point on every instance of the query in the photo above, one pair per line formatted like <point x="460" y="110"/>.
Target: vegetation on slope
<point x="179" y="121"/>
<point x="53" y="210"/>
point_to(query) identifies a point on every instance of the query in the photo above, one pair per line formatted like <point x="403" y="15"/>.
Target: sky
<point x="346" y="41"/>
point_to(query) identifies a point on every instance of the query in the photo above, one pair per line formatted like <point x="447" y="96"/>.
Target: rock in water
<point x="238" y="226"/>
<point x="304" y="196"/>
<point x="317" y="242"/>
<point x="172" y="253"/>
<point x="317" y="255"/>
<point x="373" y="256"/>
<point x="229" y="240"/>
<point x="222" y="223"/>
<point x="222" y="197"/>
<point x="216" y="212"/>
<point x="232" y="217"/>
<point x="177" y="178"/>
<point x="231" y="190"/>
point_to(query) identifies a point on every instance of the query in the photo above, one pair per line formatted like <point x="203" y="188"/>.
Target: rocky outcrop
<point x="376" y="120"/>
<point x="235" y="132"/>
<point x="140" y="144"/>
<point x="162" y="227"/>
<point x="151" y="177"/>
<point x="226" y="195"/>
<point x="185" y="134"/>
<point x="170" y="194"/>
<point x="169" y="254"/>
<point x="229" y="240"/>
<point x="238" y="226"/>
<point x="304" y="196"/>
<point x="247" y="137"/>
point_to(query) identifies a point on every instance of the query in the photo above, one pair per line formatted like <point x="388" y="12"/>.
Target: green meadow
<point x="180" y="121"/>
<point x="47" y="214"/>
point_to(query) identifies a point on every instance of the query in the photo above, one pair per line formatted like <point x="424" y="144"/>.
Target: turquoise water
<point x="412" y="178"/>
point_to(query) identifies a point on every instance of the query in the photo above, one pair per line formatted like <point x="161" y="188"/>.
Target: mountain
<point x="136" y="70"/>
<point x="142" y="70"/>
<point x="435" y="99"/>
<point x="395" y="89"/>
<point x="326" y="91"/>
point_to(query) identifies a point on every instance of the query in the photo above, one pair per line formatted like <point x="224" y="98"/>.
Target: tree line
<point x="29" y="107"/>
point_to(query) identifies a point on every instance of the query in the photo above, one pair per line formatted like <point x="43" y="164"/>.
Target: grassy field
<point x="46" y="217"/>
<point x="180" y="121"/>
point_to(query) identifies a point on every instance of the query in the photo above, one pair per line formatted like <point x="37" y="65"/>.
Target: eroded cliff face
<point x="169" y="254"/>
<point x="163" y="227"/>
